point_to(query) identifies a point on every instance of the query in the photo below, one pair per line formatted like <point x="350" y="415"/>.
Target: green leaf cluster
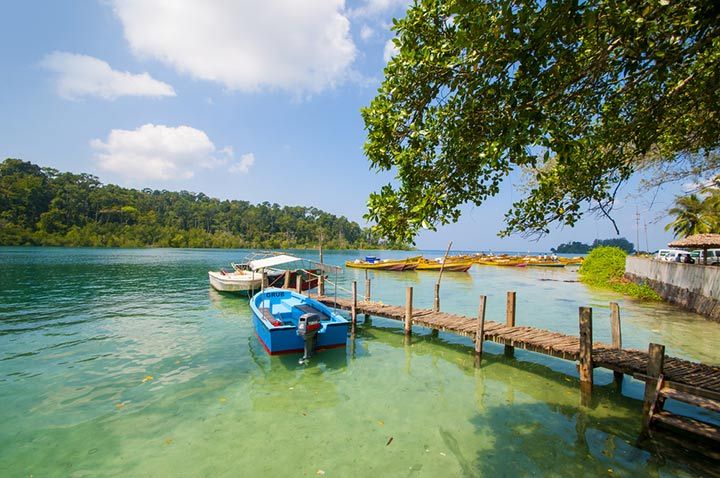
<point x="41" y="206"/>
<point x="605" y="267"/>
<point x="583" y="93"/>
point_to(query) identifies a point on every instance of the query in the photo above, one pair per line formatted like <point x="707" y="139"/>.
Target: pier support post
<point x="480" y="332"/>
<point x="656" y="362"/>
<point x="408" y="311"/>
<point x="286" y="284"/>
<point x="510" y="320"/>
<point x="585" y="358"/>
<point x="321" y="283"/>
<point x="264" y="280"/>
<point x="616" y="337"/>
<point x="353" y="308"/>
<point x="367" y="289"/>
<point x="298" y="283"/>
<point x="436" y="308"/>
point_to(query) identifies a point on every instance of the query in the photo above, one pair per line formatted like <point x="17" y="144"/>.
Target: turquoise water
<point x="125" y="363"/>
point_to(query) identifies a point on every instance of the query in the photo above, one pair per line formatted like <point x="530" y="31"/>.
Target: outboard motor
<point x="308" y="328"/>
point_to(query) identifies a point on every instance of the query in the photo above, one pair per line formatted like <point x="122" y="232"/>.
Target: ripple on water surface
<point x="123" y="362"/>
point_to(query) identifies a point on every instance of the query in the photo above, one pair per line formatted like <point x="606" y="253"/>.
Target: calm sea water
<point x="119" y="362"/>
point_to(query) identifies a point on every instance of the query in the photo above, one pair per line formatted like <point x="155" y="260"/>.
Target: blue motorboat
<point x="288" y="322"/>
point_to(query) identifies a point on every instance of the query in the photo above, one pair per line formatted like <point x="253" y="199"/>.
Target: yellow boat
<point x="502" y="261"/>
<point x="375" y="263"/>
<point x="450" y="266"/>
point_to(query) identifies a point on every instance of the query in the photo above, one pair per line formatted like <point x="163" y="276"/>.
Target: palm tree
<point x="694" y="216"/>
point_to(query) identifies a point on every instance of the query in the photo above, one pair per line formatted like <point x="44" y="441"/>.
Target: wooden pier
<point x="625" y="361"/>
<point x="665" y="377"/>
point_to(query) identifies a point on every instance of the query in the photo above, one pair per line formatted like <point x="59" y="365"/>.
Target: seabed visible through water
<point x="120" y="362"/>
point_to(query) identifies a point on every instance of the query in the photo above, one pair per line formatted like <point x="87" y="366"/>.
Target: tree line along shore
<point x="44" y="207"/>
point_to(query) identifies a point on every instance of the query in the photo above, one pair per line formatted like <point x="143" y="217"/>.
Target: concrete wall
<point x="692" y="286"/>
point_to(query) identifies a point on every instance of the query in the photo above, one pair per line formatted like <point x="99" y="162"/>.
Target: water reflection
<point x="126" y="363"/>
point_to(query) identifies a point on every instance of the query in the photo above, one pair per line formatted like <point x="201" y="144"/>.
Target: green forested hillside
<point x="42" y="206"/>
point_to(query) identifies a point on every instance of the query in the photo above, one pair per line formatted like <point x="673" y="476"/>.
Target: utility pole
<point x="647" y="245"/>
<point x="637" y="229"/>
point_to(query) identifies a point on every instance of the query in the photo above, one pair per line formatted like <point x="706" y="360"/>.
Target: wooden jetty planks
<point x="626" y="361"/>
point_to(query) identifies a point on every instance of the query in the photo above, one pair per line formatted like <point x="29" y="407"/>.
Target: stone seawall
<point x="692" y="286"/>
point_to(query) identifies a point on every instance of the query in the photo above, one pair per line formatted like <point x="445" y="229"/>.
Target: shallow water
<point x="125" y="363"/>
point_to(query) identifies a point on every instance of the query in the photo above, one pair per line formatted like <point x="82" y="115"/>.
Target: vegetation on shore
<point x="576" y="247"/>
<point x="42" y="206"/>
<point x="605" y="267"/>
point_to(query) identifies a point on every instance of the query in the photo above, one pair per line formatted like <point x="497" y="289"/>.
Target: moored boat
<point x="450" y="266"/>
<point x="288" y="322"/>
<point x="545" y="264"/>
<point x="375" y="263"/>
<point x="246" y="277"/>
<point x="243" y="281"/>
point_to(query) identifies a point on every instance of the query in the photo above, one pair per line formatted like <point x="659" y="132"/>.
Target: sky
<point x="238" y="99"/>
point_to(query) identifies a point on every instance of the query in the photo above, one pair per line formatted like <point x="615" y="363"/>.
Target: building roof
<point x="698" y="241"/>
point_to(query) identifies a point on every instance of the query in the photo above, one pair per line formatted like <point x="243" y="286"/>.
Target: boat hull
<point x="408" y="264"/>
<point x="234" y="282"/>
<point x="285" y="307"/>
<point x="451" y="267"/>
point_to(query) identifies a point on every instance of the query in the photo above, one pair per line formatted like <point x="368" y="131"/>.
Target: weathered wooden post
<point x="321" y="283"/>
<point x="298" y="283"/>
<point x="585" y="358"/>
<point x="615" y="325"/>
<point x="408" y="311"/>
<point x="510" y="319"/>
<point x="264" y="280"/>
<point x="480" y="332"/>
<point x="436" y="302"/>
<point x="656" y="362"/>
<point x="616" y="336"/>
<point x="286" y="284"/>
<point x="367" y="286"/>
<point x="353" y="308"/>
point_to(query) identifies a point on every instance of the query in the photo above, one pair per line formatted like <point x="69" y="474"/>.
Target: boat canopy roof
<point x="272" y="261"/>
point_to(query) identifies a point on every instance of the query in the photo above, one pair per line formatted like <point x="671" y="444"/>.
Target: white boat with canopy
<point x="246" y="277"/>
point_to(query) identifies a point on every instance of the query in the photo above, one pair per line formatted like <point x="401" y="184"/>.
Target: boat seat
<point x="269" y="317"/>
<point x="278" y="309"/>
<point x="309" y="309"/>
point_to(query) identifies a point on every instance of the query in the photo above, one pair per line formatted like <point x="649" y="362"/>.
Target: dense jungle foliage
<point x="42" y="206"/>
<point x="576" y="247"/>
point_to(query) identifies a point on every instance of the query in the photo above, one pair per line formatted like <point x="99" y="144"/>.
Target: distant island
<point x="576" y="247"/>
<point x="45" y="207"/>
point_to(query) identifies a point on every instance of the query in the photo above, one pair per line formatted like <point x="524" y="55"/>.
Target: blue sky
<point x="252" y="100"/>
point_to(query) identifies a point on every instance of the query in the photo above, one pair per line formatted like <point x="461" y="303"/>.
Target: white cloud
<point x="243" y="166"/>
<point x="390" y="50"/>
<point x="299" y="46"/>
<point x="82" y="75"/>
<point x="158" y="152"/>
<point x="366" y="32"/>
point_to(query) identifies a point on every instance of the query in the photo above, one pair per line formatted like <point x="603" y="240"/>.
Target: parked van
<point x="713" y="256"/>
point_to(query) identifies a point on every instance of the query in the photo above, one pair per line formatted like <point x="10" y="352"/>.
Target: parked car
<point x="667" y="255"/>
<point x="713" y="256"/>
<point x="681" y="256"/>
